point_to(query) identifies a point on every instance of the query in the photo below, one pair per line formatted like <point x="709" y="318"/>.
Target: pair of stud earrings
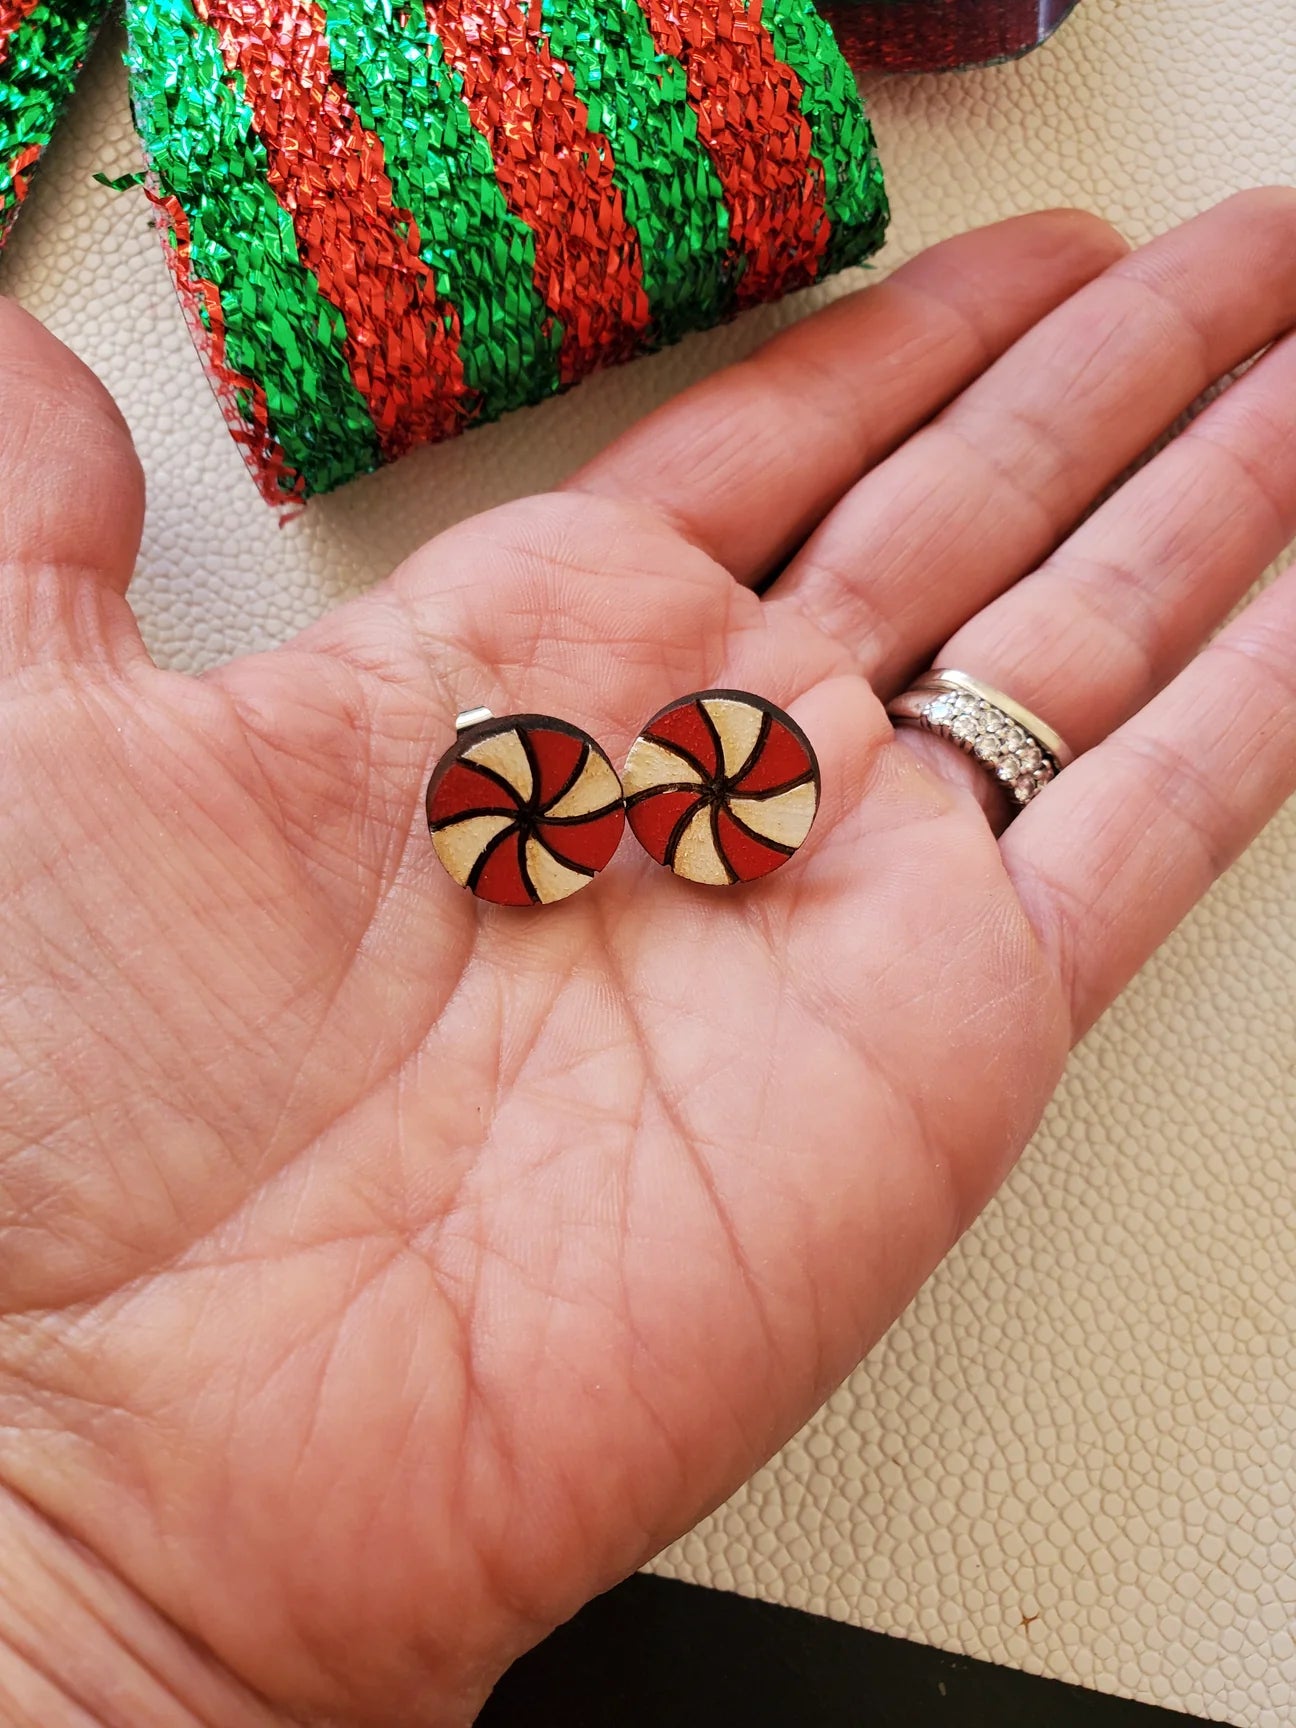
<point x="720" y="787"/>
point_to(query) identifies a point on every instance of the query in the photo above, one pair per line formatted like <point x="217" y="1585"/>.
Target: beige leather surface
<point x="1077" y="1453"/>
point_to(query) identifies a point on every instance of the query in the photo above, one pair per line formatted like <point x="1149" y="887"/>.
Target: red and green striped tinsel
<point x="391" y="222"/>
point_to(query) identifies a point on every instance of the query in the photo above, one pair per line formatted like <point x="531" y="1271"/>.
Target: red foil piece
<point x="24" y="160"/>
<point x="557" y="174"/>
<point x="747" y="106"/>
<point x="327" y="171"/>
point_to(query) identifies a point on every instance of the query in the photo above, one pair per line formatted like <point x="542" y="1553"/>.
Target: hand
<point x="384" y="1273"/>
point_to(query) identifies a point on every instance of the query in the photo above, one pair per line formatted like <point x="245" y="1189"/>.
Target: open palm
<point x="383" y="1272"/>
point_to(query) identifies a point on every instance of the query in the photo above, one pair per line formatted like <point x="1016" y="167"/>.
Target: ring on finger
<point x="1018" y="749"/>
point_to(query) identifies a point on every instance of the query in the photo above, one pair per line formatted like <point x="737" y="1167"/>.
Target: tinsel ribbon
<point x="389" y="222"/>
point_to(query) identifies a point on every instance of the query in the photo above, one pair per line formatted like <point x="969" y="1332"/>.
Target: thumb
<point x="71" y="505"/>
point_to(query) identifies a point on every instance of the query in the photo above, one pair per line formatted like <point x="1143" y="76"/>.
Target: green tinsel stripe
<point x="855" y="196"/>
<point x="638" y="99"/>
<point x="279" y="329"/>
<point x="482" y="256"/>
<point x="39" y="62"/>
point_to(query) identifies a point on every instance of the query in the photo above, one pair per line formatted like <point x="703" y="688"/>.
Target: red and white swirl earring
<point x="525" y="810"/>
<point x="721" y="787"/>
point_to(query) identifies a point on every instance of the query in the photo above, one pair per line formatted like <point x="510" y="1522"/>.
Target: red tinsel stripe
<point x="12" y="14"/>
<point x="557" y="174"/>
<point x="249" y="419"/>
<point x="749" y="120"/>
<point x="326" y="169"/>
<point x="24" y="160"/>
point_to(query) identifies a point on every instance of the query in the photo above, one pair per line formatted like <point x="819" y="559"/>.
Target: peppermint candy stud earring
<point x="525" y="810"/>
<point x="721" y="787"/>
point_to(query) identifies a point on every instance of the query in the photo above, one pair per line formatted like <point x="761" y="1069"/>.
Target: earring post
<point x="472" y="717"/>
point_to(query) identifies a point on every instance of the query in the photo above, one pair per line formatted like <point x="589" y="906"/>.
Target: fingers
<point x="71" y="506"/>
<point x="1119" y="608"/>
<point x="1125" y="842"/>
<point x="747" y="462"/>
<point x="988" y="490"/>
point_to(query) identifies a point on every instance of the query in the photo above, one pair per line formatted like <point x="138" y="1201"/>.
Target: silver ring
<point x="1015" y="746"/>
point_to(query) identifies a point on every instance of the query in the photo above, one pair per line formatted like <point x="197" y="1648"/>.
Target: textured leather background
<point x="1088" y="1417"/>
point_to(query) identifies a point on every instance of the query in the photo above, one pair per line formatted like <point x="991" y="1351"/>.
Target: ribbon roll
<point x="391" y="222"/>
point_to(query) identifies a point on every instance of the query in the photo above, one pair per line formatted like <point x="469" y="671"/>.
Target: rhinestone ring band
<point x="1011" y="743"/>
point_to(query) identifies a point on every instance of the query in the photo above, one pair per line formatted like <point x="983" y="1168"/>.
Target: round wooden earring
<point x="525" y="810"/>
<point x="721" y="787"/>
